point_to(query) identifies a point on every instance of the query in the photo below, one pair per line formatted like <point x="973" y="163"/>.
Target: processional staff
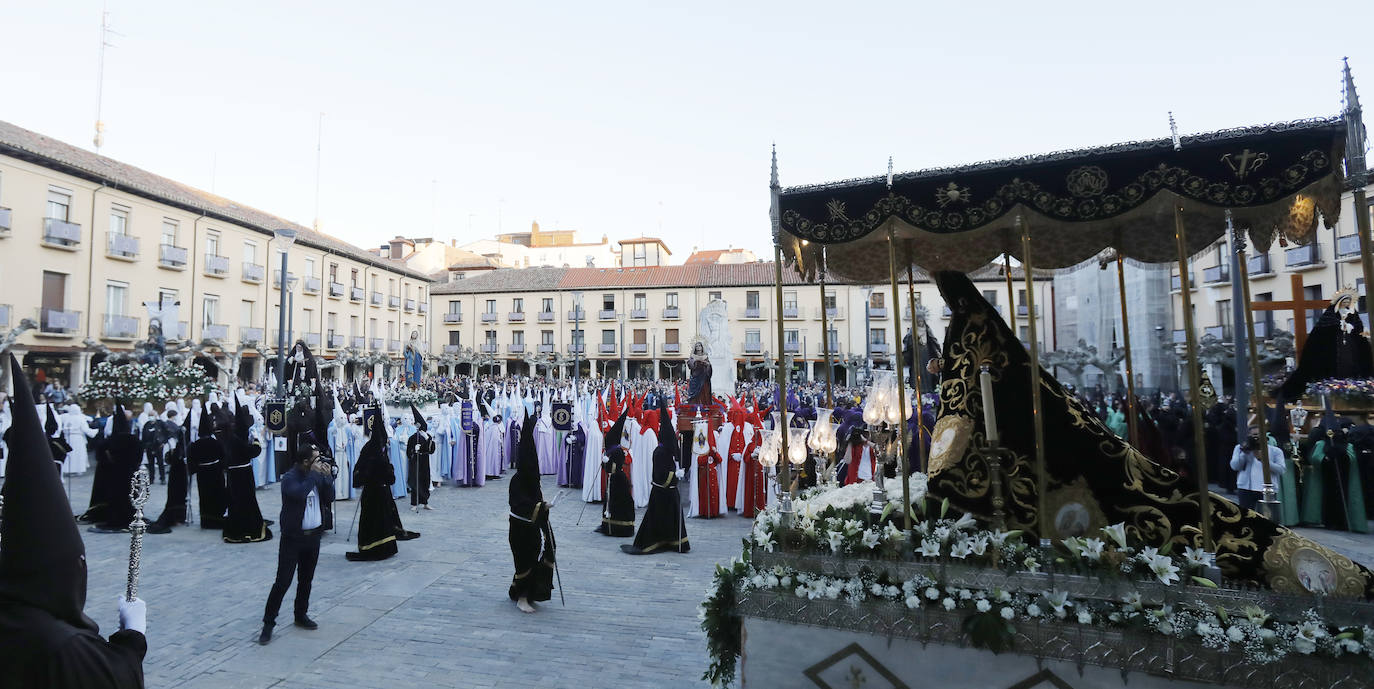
<point x="138" y="494"/>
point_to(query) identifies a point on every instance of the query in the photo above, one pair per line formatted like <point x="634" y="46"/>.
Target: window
<point x="119" y="220"/>
<point x="455" y="338"/>
<point x="834" y="339"/>
<point x="1021" y="297"/>
<point x="1312" y="293"/>
<point x="455" y="306"/>
<point x="875" y="300"/>
<point x="391" y="330"/>
<point x="169" y="232"/>
<point x="641" y="336"/>
<point x="672" y="300"/>
<point x="333" y="323"/>
<point x="517" y="338"/>
<point x="991" y="296"/>
<point x="547" y="305"/>
<point x="641" y="302"/>
<point x="608" y="302"/>
<point x="1025" y="333"/>
<point x="641" y="255"/>
<point x="391" y="287"/>
<point x="209" y="307"/>
<point x="59" y="204"/>
<point x="608" y="337"/>
<point x="789" y="300"/>
<point x="546" y="337"/>
<point x="1224" y="313"/>
<point x="116" y="298"/>
<point x="166" y="297"/>
<point x="491" y="306"/>
<point x="246" y="308"/>
<point x="309" y="316"/>
<point x="579" y="338"/>
<point x="877" y="335"/>
<point x="372" y="326"/>
<point x="333" y="272"/>
<point x="352" y="326"/>
<point x="830" y="300"/>
<point x="517" y="305"/>
<point x="670" y="336"/>
<point x="751" y="300"/>
<point x="250" y="252"/>
<point x="211" y="243"/>
<point x="309" y="268"/>
<point x="491" y="338"/>
<point x="791" y="337"/>
<point x="713" y="295"/>
<point x="753" y="337"/>
<point x="353" y="278"/>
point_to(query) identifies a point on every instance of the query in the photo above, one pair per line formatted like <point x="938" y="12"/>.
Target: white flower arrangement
<point x="133" y="383"/>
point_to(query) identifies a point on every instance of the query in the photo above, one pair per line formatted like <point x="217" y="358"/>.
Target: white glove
<point x="681" y="473"/>
<point x="133" y="614"/>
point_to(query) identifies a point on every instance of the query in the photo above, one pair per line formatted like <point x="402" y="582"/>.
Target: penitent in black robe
<point x="662" y="530"/>
<point x="178" y="485"/>
<point x="121" y="457"/>
<point x="418" y="451"/>
<point x="41" y="650"/>
<point x="244" y="523"/>
<point x="618" y="514"/>
<point x="531" y="538"/>
<point x="379" y="523"/>
<point x="205" y="459"/>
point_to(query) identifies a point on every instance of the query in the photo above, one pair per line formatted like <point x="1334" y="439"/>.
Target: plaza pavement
<point x="436" y="615"/>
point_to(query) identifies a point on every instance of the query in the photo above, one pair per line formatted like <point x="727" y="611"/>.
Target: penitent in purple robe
<point x="512" y="444"/>
<point x="572" y="453"/>
<point x="468" y="463"/>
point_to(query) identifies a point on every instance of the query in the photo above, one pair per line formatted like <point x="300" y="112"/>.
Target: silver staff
<point x="138" y="494"/>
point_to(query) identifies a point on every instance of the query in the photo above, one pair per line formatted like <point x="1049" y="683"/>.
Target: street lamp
<point x="621" y="317"/>
<point x="577" y="327"/>
<point x="285" y="236"/>
<point x="868" y="333"/>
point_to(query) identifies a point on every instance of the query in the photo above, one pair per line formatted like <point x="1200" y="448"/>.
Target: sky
<point x="458" y="120"/>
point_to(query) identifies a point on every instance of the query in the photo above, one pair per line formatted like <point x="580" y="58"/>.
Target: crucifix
<point x="1299" y="306"/>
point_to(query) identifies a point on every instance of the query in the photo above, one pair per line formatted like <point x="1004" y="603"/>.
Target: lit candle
<point x="989" y="409"/>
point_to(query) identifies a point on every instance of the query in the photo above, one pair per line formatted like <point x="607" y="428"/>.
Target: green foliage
<point x="721" y="621"/>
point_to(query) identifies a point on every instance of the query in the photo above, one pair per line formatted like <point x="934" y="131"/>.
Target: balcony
<point x="312" y="340"/>
<point x="336" y="290"/>
<point x="1263" y="328"/>
<point x="546" y="348"/>
<point x="490" y="348"/>
<point x="312" y="285"/>
<point x="515" y="317"/>
<point x="453" y="317"/>
<point x="753" y="347"/>
<point x="1180" y="337"/>
<point x="750" y="313"/>
<point x="1259" y="265"/>
<point x="515" y="348"/>
<point x="253" y="273"/>
<point x="490" y="317"/>
<point x="545" y="316"/>
<point x="1216" y="275"/>
<point x="5" y="318"/>
<point x="357" y="341"/>
<point x="606" y="348"/>
<point x="6" y="220"/>
<point x="577" y="348"/>
<point x="424" y="307"/>
<point x="639" y="348"/>
<point x="393" y="345"/>
<point x="216" y="266"/>
<point x="792" y="348"/>
<point x="1023" y="310"/>
<point x="833" y="313"/>
<point x="1348" y="247"/>
<point x="250" y="336"/>
<point x="172" y="257"/>
<point x="605" y="315"/>
<point x="376" y="299"/>
<point x="393" y="301"/>
<point x="672" y="348"/>
<point x="58" y="322"/>
<point x="335" y="341"/>
<point x="790" y="313"/>
<point x="214" y="331"/>
<point x="877" y="312"/>
<point x="453" y="349"/>
<point x="181" y="332"/>
<point x="639" y="314"/>
<point x="1221" y="332"/>
<point x="577" y="315"/>
<point x="409" y="305"/>
<point x="118" y="327"/>
<point x="1175" y="281"/>
<point x="375" y="343"/>
<point x="61" y="234"/>
<point x="1298" y="257"/>
<point x="670" y="313"/>
<point x="877" y="349"/>
<point x="355" y="294"/>
<point x="835" y="347"/>
<point x="121" y="246"/>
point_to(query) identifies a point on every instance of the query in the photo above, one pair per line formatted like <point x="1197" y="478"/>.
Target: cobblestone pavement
<point x="436" y="615"/>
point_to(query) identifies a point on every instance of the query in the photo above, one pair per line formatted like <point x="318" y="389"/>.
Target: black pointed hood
<point x="51" y="427"/>
<point x="617" y="431"/>
<point x="42" y="558"/>
<point x="419" y="419"/>
<point x="527" y="453"/>
<point x="119" y="420"/>
<point x="667" y="436"/>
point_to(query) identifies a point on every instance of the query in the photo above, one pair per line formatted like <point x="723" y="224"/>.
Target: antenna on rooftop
<point x="319" y="144"/>
<point x="105" y="33"/>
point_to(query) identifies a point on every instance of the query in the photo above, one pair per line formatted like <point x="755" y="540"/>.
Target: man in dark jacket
<point x="307" y="491"/>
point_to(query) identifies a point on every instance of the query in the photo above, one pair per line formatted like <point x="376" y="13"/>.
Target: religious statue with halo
<point x="699" y="373"/>
<point x="1336" y="348"/>
<point x="414" y="359"/>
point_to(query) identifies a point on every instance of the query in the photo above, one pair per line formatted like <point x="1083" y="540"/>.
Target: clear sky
<point x="452" y="119"/>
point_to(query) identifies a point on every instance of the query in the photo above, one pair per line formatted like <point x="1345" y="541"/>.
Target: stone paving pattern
<point x="436" y="615"/>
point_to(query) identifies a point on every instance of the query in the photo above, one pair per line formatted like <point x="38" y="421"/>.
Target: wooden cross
<point x="1299" y="307"/>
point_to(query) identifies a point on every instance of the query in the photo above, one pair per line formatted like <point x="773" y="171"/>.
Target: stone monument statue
<point x="713" y="325"/>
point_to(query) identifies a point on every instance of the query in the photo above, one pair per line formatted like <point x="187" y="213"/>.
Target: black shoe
<point x="266" y="636"/>
<point x="157" y="528"/>
<point x="306" y="623"/>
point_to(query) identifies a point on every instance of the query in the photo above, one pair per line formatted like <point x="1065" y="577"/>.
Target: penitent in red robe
<point x="708" y="484"/>
<point x="755" y="483"/>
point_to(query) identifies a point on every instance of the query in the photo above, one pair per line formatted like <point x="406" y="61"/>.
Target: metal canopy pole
<point x="1011" y="293"/>
<point x="901" y="389"/>
<point x="1270" y="499"/>
<point x="1037" y="413"/>
<point x="775" y="218"/>
<point x="917" y="371"/>
<point x="825" y="339"/>
<point x="1194" y="382"/>
<point x="1130" y="368"/>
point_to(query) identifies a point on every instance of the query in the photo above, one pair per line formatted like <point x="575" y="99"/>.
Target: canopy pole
<point x="825" y="339"/>
<point x="786" y="473"/>
<point x="1037" y="413"/>
<point x="1270" y="500"/>
<point x="1366" y="250"/>
<point x="1011" y="293"/>
<point x="1134" y="434"/>
<point x="1194" y="381"/>
<point x="917" y="371"/>
<point x="897" y="361"/>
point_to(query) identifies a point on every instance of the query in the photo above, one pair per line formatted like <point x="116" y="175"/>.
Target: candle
<point x="989" y="409"/>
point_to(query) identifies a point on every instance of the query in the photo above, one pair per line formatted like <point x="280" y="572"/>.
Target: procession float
<point x="1030" y="546"/>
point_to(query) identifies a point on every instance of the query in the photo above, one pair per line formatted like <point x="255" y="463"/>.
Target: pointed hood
<point x="119" y="420"/>
<point x="420" y="424"/>
<point x="42" y="558"/>
<point x="667" y="437"/>
<point x="617" y="431"/>
<point x="527" y="454"/>
<point x="51" y="427"/>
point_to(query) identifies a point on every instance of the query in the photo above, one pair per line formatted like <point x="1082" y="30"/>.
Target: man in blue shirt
<point x="307" y="491"/>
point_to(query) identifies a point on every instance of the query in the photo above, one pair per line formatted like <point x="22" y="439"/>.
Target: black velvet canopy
<point x="1275" y="179"/>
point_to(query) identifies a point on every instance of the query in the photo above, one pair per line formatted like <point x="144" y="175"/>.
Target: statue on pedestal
<point x="1336" y="348"/>
<point x="414" y="359"/>
<point x="713" y="326"/>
